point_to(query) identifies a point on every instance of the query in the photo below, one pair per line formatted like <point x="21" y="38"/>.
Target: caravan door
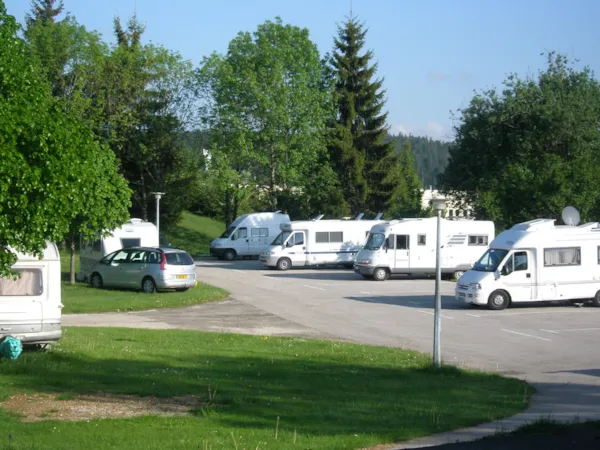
<point x="296" y="246"/>
<point x="402" y="252"/>
<point x="517" y="275"/>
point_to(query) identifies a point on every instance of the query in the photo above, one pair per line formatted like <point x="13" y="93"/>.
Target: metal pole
<point x="437" y="361"/>
<point x="158" y="217"/>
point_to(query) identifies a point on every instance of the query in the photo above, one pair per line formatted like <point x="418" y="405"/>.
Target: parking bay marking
<point x="526" y="335"/>
<point x="314" y="287"/>
<point x="429" y="312"/>
<point x="569" y="329"/>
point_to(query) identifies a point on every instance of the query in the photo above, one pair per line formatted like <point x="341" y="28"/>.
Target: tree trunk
<point x="72" y="262"/>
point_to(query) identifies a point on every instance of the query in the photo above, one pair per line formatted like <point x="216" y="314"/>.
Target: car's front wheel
<point x="96" y="281"/>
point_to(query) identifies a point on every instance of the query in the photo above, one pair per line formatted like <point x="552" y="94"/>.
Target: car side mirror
<point x="289" y="244"/>
<point x="504" y="271"/>
<point x="233" y="237"/>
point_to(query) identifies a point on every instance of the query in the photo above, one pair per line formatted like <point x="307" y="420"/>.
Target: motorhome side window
<point x="240" y="233"/>
<point x="421" y="239"/>
<point x="516" y="262"/>
<point x="324" y="237"/>
<point x="478" y="240"/>
<point x="29" y="283"/>
<point x="568" y="256"/>
<point x="130" y="242"/>
<point x="402" y="242"/>
<point x="260" y="232"/>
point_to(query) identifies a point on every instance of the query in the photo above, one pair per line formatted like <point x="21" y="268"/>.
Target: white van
<point x="30" y="306"/>
<point x="317" y="242"/>
<point x="408" y="246"/>
<point x="248" y="235"/>
<point x="134" y="233"/>
<point x="536" y="261"/>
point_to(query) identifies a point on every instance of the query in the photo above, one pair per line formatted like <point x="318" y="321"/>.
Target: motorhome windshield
<point x="490" y="260"/>
<point x="374" y="241"/>
<point x="280" y="239"/>
<point x="227" y="232"/>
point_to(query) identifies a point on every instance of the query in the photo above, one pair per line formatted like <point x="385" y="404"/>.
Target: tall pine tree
<point x="406" y="197"/>
<point x="44" y="11"/>
<point x="358" y="151"/>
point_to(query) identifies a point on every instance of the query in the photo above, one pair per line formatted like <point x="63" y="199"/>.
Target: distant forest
<point x="431" y="156"/>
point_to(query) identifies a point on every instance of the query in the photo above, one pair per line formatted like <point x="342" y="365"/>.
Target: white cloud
<point x="433" y="130"/>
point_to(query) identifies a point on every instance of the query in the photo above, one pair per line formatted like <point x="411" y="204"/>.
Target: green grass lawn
<point x="194" y="233"/>
<point x="284" y="393"/>
<point x="82" y="298"/>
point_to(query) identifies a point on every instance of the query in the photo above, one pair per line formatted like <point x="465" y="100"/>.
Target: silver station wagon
<point x="147" y="268"/>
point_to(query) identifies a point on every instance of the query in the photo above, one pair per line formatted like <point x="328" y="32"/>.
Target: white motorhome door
<point x="258" y="240"/>
<point x="402" y="251"/>
<point x="517" y="275"/>
<point x="296" y="245"/>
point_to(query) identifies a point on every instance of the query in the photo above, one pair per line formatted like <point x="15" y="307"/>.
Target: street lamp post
<point x="439" y="204"/>
<point x="158" y="195"/>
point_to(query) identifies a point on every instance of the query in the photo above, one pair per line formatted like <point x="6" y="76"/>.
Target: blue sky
<point x="433" y="54"/>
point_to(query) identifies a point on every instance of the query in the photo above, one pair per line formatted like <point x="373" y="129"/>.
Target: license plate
<point x="181" y="276"/>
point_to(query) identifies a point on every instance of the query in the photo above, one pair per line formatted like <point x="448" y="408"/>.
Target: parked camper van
<point x="248" y="235"/>
<point x="536" y="261"/>
<point x="408" y="246"/>
<point x="30" y="306"/>
<point x="318" y="242"/>
<point x="134" y="233"/>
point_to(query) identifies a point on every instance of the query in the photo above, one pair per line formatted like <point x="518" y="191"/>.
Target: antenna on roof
<point x="570" y="216"/>
<point x="278" y="211"/>
<point x="319" y="217"/>
<point x="378" y="216"/>
<point x="360" y="216"/>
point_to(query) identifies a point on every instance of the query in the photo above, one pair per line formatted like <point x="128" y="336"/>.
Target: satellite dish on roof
<point x="570" y="216"/>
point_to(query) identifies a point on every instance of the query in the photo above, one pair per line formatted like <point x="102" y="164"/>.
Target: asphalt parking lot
<point x="546" y="344"/>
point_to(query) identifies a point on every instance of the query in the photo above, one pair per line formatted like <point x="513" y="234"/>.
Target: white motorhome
<point x="408" y="246"/>
<point x="248" y="235"/>
<point x="317" y="242"/>
<point x="536" y="261"/>
<point x="30" y="305"/>
<point x="134" y="233"/>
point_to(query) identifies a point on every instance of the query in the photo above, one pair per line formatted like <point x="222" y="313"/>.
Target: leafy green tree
<point x="268" y="103"/>
<point x="532" y="149"/>
<point x="46" y="154"/>
<point x="359" y="151"/>
<point x="405" y="200"/>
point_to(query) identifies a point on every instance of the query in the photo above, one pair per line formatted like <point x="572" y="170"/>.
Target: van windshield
<point x="227" y="232"/>
<point x="280" y="239"/>
<point x="490" y="260"/>
<point x="374" y="241"/>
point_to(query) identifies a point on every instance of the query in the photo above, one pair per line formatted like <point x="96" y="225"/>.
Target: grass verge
<point x="82" y="298"/>
<point x="260" y="392"/>
<point x="194" y="233"/>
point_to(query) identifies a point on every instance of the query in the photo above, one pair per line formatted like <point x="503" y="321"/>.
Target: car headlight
<point x="364" y="261"/>
<point x="271" y="253"/>
<point x="215" y="244"/>
<point x="475" y="286"/>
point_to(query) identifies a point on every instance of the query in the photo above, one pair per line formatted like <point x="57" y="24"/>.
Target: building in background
<point x="454" y="208"/>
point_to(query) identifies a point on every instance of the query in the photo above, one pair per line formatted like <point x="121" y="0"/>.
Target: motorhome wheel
<point x="498" y="300"/>
<point x="229" y="255"/>
<point x="148" y="286"/>
<point x="283" y="264"/>
<point x="96" y="281"/>
<point x="596" y="299"/>
<point x="380" y="274"/>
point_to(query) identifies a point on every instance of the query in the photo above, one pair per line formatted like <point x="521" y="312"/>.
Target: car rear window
<point x="179" y="259"/>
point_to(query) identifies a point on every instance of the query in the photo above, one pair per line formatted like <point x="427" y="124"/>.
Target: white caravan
<point x="536" y="261"/>
<point x="407" y="246"/>
<point x="248" y="235"/>
<point x="30" y="305"/>
<point x="317" y="242"/>
<point x="134" y="233"/>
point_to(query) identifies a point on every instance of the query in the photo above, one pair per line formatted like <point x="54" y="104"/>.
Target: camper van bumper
<point x="269" y="260"/>
<point x="470" y="294"/>
<point x="49" y="333"/>
<point x="364" y="269"/>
